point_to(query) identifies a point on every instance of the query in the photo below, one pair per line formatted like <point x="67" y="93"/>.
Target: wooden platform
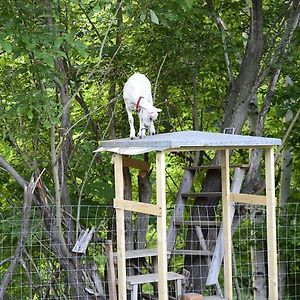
<point x="141" y="253"/>
<point x="149" y="278"/>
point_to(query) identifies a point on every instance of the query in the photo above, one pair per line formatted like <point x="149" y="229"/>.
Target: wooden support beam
<point x="271" y="224"/>
<point x="226" y="223"/>
<point x="136" y="163"/>
<point x="216" y="262"/>
<point x="111" y="276"/>
<point x="161" y="226"/>
<point x="248" y="199"/>
<point x="119" y="193"/>
<point x="139" y="207"/>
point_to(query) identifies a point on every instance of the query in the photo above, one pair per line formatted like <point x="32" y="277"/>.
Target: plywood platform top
<point x="186" y="141"/>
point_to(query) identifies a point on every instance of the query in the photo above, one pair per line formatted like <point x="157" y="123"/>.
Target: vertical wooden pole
<point x="119" y="194"/>
<point x="271" y="224"/>
<point x="161" y="226"/>
<point x="111" y="276"/>
<point x="226" y="223"/>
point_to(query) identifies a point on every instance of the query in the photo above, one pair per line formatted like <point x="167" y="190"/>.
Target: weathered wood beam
<point x="136" y="163"/>
<point x="248" y="199"/>
<point x="139" y="207"/>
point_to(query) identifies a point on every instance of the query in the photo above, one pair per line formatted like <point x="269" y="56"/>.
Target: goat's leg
<point x="131" y="123"/>
<point x="151" y="129"/>
<point x="142" y="130"/>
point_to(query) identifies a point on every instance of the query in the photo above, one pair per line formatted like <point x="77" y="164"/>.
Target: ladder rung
<point x="198" y="223"/>
<point x="214" y="167"/>
<point x="192" y="252"/>
<point x="140" y="253"/>
<point x="148" y="278"/>
<point x="201" y="195"/>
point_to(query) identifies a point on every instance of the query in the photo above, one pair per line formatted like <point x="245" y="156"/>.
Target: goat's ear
<point x="158" y="109"/>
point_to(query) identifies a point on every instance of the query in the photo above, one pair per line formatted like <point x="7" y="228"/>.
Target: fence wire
<point x="45" y="271"/>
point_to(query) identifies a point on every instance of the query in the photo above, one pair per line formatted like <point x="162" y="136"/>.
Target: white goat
<point x="137" y="96"/>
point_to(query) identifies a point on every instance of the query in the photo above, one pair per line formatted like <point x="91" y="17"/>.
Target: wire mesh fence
<point x="46" y="271"/>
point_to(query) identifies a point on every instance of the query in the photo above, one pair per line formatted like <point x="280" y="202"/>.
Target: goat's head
<point x="148" y="116"/>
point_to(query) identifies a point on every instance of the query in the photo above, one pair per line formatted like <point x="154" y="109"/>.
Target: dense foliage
<point x="63" y="65"/>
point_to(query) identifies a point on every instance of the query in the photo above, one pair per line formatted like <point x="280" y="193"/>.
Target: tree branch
<point x="282" y="46"/>
<point x="286" y="135"/>
<point x="223" y="30"/>
<point x="54" y="160"/>
<point x="11" y="170"/>
<point x="28" y="195"/>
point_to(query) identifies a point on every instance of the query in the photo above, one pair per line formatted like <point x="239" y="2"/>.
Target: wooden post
<point x="119" y="194"/>
<point x="271" y="224"/>
<point x="161" y="226"/>
<point x="226" y="223"/>
<point x="111" y="276"/>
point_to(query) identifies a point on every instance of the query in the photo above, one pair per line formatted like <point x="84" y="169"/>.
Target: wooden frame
<point x="161" y="226"/>
<point x="119" y="193"/>
<point x="271" y="223"/>
<point x="159" y="210"/>
<point x="225" y="176"/>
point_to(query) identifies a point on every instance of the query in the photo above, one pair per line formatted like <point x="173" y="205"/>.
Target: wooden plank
<point x="198" y="223"/>
<point x="218" y="255"/>
<point x="130" y="254"/>
<point x="111" y="276"/>
<point x="248" y="199"/>
<point x="153" y="277"/>
<point x="179" y="208"/>
<point x="245" y="166"/>
<point x="162" y="259"/>
<point x="227" y="223"/>
<point x="202" y="194"/>
<point x="271" y="224"/>
<point x="136" y="163"/>
<point x="192" y="252"/>
<point x="83" y="241"/>
<point x="140" y="207"/>
<point x="119" y="193"/>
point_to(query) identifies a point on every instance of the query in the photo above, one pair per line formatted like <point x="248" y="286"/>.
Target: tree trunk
<point x="145" y="191"/>
<point x="240" y="93"/>
<point x="285" y="180"/>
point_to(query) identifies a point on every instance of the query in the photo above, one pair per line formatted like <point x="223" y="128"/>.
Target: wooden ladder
<point x="214" y="258"/>
<point x="134" y="281"/>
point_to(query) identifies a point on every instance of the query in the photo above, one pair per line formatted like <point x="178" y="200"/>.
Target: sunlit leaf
<point x="154" y="17"/>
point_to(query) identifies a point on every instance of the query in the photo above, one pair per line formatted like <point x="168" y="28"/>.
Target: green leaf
<point x="186" y="4"/>
<point x="30" y="115"/>
<point x="6" y="46"/>
<point x="47" y="124"/>
<point x="154" y="17"/>
<point x="143" y="17"/>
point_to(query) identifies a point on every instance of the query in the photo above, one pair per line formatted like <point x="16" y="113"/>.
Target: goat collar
<point x="137" y="107"/>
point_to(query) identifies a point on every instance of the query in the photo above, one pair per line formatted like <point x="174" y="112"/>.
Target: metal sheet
<point x="185" y="140"/>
